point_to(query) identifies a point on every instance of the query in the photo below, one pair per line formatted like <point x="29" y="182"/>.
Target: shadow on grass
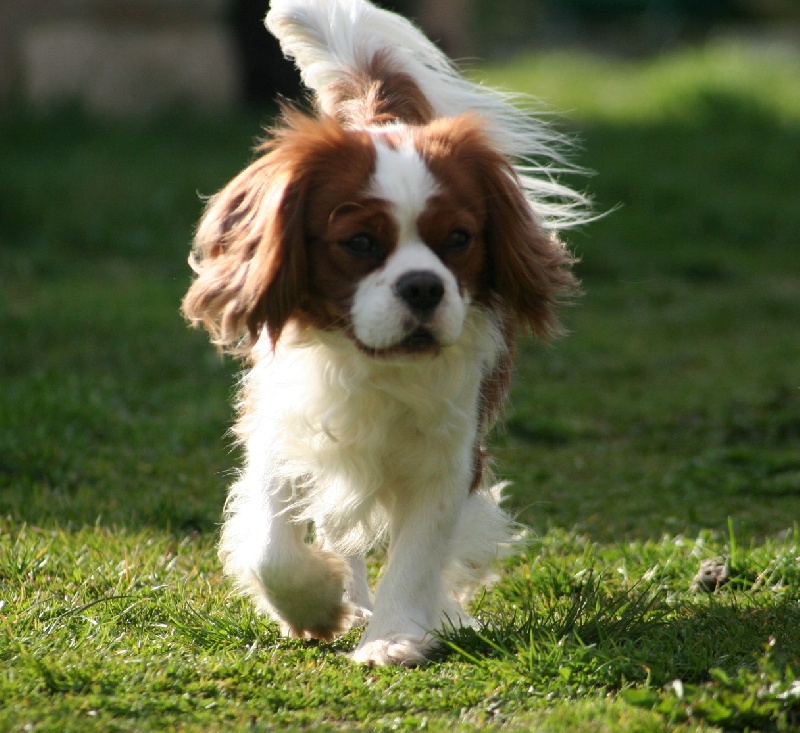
<point x="664" y="643"/>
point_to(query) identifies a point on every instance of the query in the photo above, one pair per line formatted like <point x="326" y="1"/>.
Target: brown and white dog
<point x="372" y="264"/>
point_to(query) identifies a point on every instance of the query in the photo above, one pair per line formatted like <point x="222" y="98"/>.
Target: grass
<point x="663" y="431"/>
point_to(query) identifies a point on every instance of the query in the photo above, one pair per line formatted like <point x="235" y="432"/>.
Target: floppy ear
<point x="249" y="255"/>
<point x="530" y="268"/>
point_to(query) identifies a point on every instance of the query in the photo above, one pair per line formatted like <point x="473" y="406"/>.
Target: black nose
<point x="421" y="291"/>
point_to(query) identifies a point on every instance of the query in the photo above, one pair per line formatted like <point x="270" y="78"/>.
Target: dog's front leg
<point x="300" y="584"/>
<point x="409" y="599"/>
<point x="357" y="591"/>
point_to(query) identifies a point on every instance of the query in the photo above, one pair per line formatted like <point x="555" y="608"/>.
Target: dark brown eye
<point x="457" y="241"/>
<point x="362" y="245"/>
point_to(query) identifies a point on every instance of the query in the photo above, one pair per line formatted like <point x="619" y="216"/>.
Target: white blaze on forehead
<point x="403" y="180"/>
<point x="380" y="318"/>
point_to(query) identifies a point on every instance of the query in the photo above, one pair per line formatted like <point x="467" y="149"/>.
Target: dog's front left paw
<point x="398" y="652"/>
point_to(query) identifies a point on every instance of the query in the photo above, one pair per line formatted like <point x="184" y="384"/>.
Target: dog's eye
<point x="362" y="245"/>
<point x="458" y="240"/>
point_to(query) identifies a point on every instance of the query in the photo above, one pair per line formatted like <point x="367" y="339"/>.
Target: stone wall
<point x="118" y="56"/>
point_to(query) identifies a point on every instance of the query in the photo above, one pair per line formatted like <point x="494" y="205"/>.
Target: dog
<point x="371" y="266"/>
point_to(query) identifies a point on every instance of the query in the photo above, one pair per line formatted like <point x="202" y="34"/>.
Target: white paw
<point x="400" y="651"/>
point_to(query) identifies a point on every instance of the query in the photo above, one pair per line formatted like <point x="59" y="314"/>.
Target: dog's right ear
<point x="249" y="255"/>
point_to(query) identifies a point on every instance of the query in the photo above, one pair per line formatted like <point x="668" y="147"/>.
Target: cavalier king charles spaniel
<point x="371" y="267"/>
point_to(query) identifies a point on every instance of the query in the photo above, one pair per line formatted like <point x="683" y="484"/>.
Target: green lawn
<point x="662" y="431"/>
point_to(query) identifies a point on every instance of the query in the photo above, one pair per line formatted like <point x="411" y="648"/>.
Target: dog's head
<point x="389" y="235"/>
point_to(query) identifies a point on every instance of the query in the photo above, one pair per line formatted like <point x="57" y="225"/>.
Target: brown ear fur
<point x="245" y="252"/>
<point x="249" y="250"/>
<point x="529" y="268"/>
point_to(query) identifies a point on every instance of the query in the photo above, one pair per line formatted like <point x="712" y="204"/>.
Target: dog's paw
<point x="324" y="626"/>
<point x="309" y="602"/>
<point x="399" y="652"/>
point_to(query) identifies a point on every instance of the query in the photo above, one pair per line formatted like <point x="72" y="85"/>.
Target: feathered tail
<point x="333" y="41"/>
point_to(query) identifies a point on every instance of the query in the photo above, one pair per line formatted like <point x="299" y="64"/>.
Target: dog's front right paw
<point x="308" y="600"/>
<point x="398" y="652"/>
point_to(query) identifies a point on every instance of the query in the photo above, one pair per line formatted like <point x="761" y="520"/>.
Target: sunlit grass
<point x="661" y="432"/>
<point x="590" y="88"/>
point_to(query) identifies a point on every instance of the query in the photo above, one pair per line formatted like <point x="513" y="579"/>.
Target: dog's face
<point x="387" y="235"/>
<point x="399" y="262"/>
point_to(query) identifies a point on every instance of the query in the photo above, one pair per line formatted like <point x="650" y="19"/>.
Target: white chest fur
<point x="352" y="434"/>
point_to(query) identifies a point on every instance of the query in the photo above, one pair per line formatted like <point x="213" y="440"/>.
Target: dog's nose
<point x="421" y="291"/>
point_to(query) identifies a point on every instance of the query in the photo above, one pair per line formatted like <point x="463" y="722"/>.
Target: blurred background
<point x="676" y="395"/>
<point x="137" y="56"/>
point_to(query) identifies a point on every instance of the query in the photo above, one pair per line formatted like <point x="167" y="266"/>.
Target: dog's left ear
<point x="530" y="268"/>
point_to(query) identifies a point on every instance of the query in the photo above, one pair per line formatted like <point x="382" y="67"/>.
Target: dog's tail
<point x="341" y="46"/>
